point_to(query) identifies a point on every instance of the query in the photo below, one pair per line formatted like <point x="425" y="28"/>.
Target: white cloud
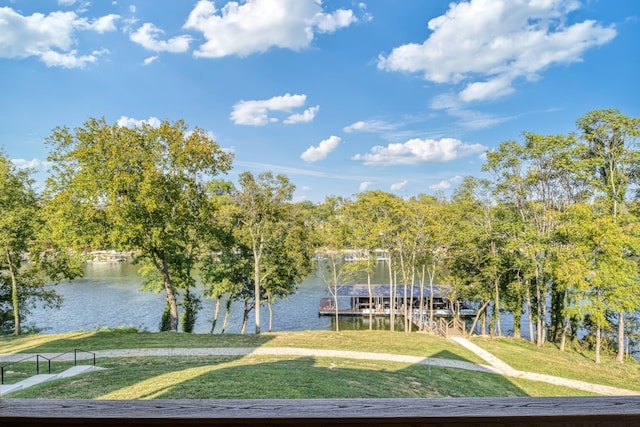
<point x="128" y="122"/>
<point x="52" y="58"/>
<point x="313" y="154"/>
<point x="364" y="185"/>
<point x="330" y="22"/>
<point x="306" y="116"/>
<point x="447" y="183"/>
<point x="517" y="39"/>
<point x="104" y="23"/>
<point x="399" y="185"/>
<point x="51" y="38"/>
<point x="468" y="118"/>
<point x="252" y="26"/>
<point x="147" y="37"/>
<point x="66" y="2"/>
<point x="150" y="60"/>
<point x="35" y="164"/>
<point x="417" y="151"/>
<point x="256" y="113"/>
<point x="369" y="126"/>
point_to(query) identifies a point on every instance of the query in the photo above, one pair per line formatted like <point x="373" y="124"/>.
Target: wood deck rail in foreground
<point x="569" y="411"/>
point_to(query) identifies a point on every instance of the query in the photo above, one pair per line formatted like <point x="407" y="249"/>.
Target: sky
<point x="404" y="96"/>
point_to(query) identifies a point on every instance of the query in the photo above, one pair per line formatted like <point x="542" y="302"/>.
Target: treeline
<point x="552" y="233"/>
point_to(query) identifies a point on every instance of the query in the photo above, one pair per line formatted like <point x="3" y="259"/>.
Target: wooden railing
<point x="451" y="328"/>
<point x="460" y="412"/>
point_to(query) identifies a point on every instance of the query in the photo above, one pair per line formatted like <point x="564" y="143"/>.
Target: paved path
<point x="508" y="371"/>
<point x="495" y="365"/>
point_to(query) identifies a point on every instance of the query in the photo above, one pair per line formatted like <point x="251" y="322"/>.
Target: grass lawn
<point x="573" y="363"/>
<point x="284" y="377"/>
<point x="261" y="376"/>
<point x="413" y="344"/>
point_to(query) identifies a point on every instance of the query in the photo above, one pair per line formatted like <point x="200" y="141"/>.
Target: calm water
<point x="108" y="296"/>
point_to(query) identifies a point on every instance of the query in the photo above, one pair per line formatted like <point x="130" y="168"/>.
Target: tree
<point x="263" y="212"/>
<point x="333" y="237"/>
<point x="595" y="267"/>
<point x="612" y="155"/>
<point x="23" y="230"/>
<point x="139" y="189"/>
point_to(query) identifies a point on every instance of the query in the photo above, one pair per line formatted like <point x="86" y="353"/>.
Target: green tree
<point x="24" y="230"/>
<point x="139" y="189"/>
<point x="331" y="237"/>
<point x="264" y="213"/>
<point x="612" y="156"/>
<point x="593" y="264"/>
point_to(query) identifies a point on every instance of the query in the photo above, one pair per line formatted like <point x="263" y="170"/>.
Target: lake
<point x="109" y="296"/>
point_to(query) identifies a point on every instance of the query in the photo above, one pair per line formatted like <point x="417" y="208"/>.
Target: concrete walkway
<point x="506" y="370"/>
<point x="495" y="365"/>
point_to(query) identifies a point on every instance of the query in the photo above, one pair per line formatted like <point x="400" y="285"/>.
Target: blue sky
<point x="342" y="96"/>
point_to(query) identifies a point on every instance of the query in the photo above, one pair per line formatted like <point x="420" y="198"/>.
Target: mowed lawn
<point x="273" y="376"/>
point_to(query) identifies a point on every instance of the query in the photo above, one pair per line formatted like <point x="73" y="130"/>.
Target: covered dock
<point x="359" y="300"/>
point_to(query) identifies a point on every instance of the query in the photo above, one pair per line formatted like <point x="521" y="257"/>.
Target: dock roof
<point x="359" y="290"/>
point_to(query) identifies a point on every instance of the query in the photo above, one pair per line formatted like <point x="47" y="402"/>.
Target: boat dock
<point x="359" y="300"/>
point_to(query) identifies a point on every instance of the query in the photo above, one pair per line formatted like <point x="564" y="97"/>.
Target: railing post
<point x="75" y="357"/>
<point x="37" y="364"/>
<point x="1" y="374"/>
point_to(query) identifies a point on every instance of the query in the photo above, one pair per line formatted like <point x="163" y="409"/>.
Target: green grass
<point x="264" y="376"/>
<point x="573" y="363"/>
<point x="414" y="344"/>
<point x="283" y="377"/>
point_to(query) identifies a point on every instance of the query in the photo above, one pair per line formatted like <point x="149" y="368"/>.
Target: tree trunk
<point x="539" y="310"/>
<point x="517" y="318"/>
<point x="245" y="317"/>
<point x="392" y="297"/>
<point x="620" y="357"/>
<point x="478" y="314"/>
<point x="168" y="287"/>
<point x="530" y="315"/>
<point x="497" y="306"/>
<point x="598" y="344"/>
<point x="257" y="252"/>
<point x="227" y="311"/>
<point x="370" y="300"/>
<point x="270" y="307"/>
<point x="15" y="298"/>
<point x="563" y="339"/>
<point x="215" y="314"/>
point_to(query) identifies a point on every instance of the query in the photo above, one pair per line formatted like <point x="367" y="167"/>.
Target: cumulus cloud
<point x="147" y="37"/>
<point x="257" y="112"/>
<point x="517" y="38"/>
<point x="128" y="122"/>
<point x="306" y="116"/>
<point x="51" y="38"/>
<point x="417" y="151"/>
<point x="399" y="185"/>
<point x="313" y="154"/>
<point x="252" y="26"/>
<point x="364" y="185"/>
<point x="104" y="24"/>
<point x="35" y="164"/>
<point x="447" y="183"/>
